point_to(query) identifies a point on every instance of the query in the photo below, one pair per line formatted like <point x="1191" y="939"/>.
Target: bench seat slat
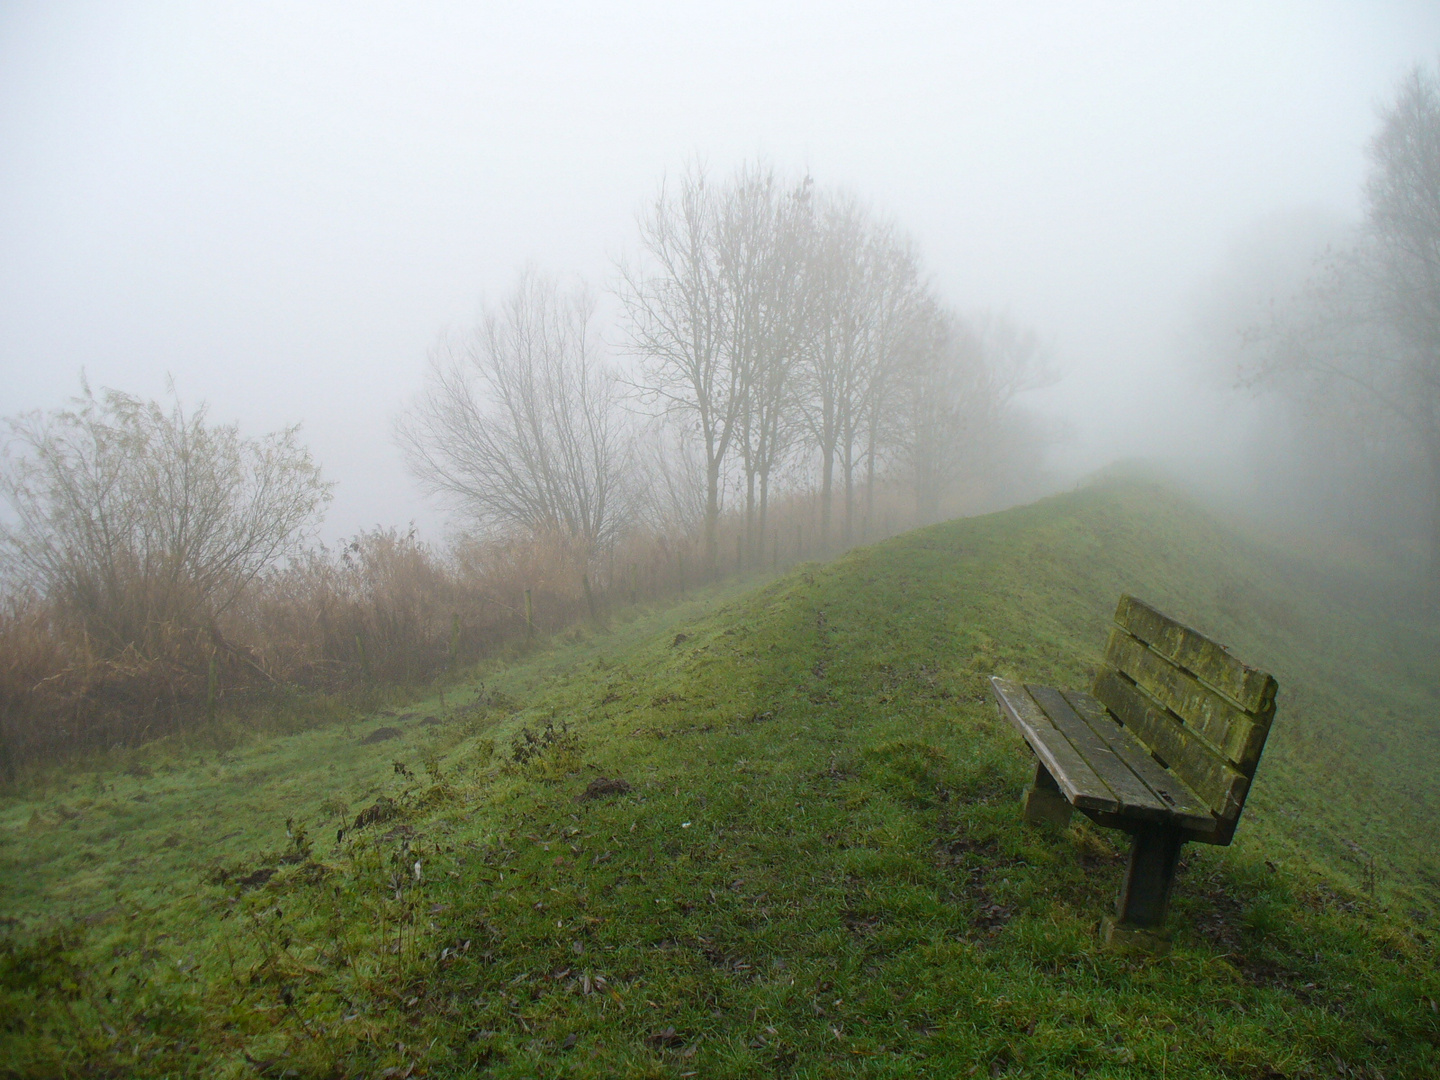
<point x="1236" y="735"/>
<point x="1187" y="808"/>
<point x="1136" y="798"/>
<point x="1079" y="783"/>
<point x="1211" y="777"/>
<point x="1253" y="690"/>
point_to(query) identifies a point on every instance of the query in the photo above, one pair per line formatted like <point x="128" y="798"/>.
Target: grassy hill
<point x="818" y="868"/>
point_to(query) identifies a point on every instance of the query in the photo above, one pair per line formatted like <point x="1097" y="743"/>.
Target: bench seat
<point x="1164" y="748"/>
<point x="1097" y="765"/>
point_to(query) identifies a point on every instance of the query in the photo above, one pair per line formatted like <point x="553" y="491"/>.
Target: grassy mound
<point x="766" y="834"/>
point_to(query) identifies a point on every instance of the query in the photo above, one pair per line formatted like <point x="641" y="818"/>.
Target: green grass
<point x="819" y="869"/>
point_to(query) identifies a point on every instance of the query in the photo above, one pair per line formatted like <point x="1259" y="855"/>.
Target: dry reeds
<point x="383" y="610"/>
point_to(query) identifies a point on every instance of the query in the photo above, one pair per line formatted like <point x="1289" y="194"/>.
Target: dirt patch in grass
<point x="602" y="786"/>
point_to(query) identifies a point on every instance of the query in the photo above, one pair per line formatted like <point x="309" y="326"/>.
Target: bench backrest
<point x="1203" y="713"/>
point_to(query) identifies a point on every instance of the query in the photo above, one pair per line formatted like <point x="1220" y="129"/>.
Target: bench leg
<point x="1043" y="800"/>
<point x="1154" y="854"/>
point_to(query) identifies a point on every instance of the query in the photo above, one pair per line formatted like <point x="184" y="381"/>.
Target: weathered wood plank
<point x="1136" y="799"/>
<point x="1188" y="808"/>
<point x="1076" y="779"/>
<point x="1250" y="688"/>
<point x="1211" y="777"/>
<point x="1235" y="734"/>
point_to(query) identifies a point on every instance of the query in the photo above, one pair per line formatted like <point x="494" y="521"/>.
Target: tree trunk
<point x="712" y="517"/>
<point x="827" y="477"/>
<point x="927" y="495"/>
<point x="764" y="510"/>
<point x="870" y="486"/>
<point x="847" y="466"/>
<point x="750" y="532"/>
<point x="1433" y="447"/>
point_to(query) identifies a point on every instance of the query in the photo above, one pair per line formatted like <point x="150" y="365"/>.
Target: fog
<point x="281" y="210"/>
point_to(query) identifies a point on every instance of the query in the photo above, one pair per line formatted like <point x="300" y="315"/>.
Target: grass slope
<point x="819" y="869"/>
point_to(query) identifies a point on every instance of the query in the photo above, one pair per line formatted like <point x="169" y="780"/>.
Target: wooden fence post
<point x="529" y="617"/>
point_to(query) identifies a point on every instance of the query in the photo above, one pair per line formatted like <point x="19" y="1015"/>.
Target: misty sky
<point x="282" y="205"/>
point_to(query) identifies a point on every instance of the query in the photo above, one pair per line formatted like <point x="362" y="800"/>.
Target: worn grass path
<point x="818" y="870"/>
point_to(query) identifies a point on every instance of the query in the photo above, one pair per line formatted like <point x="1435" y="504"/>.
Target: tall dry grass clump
<point x="382" y="610"/>
<point x="377" y="609"/>
<point x="334" y="624"/>
<point x="387" y="607"/>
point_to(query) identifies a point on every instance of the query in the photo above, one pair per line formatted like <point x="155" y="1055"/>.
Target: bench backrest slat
<point x="1234" y="735"/>
<point x="1199" y="709"/>
<point x="1250" y="688"/>
<point x="1209" y="775"/>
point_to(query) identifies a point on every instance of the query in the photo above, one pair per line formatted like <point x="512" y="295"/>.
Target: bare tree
<point x="520" y="424"/>
<point x="1403" y="193"/>
<point x="946" y="394"/>
<point x="867" y="293"/>
<point x="778" y="422"/>
<point x="1016" y="360"/>
<point x="1368" y="325"/>
<point x="140" y="520"/>
<point x="898" y="301"/>
<point x="959" y="415"/>
<point x="837" y="341"/>
<point x="673" y="500"/>
<point x="762" y="238"/>
<point x="674" y="307"/>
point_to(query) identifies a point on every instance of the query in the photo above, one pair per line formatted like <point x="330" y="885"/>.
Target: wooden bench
<point x="1164" y="748"/>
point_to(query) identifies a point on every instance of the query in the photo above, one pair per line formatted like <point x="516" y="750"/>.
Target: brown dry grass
<point x="384" y="610"/>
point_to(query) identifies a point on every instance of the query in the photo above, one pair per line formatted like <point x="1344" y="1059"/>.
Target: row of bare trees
<point x="781" y="337"/>
<point x="789" y="376"/>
